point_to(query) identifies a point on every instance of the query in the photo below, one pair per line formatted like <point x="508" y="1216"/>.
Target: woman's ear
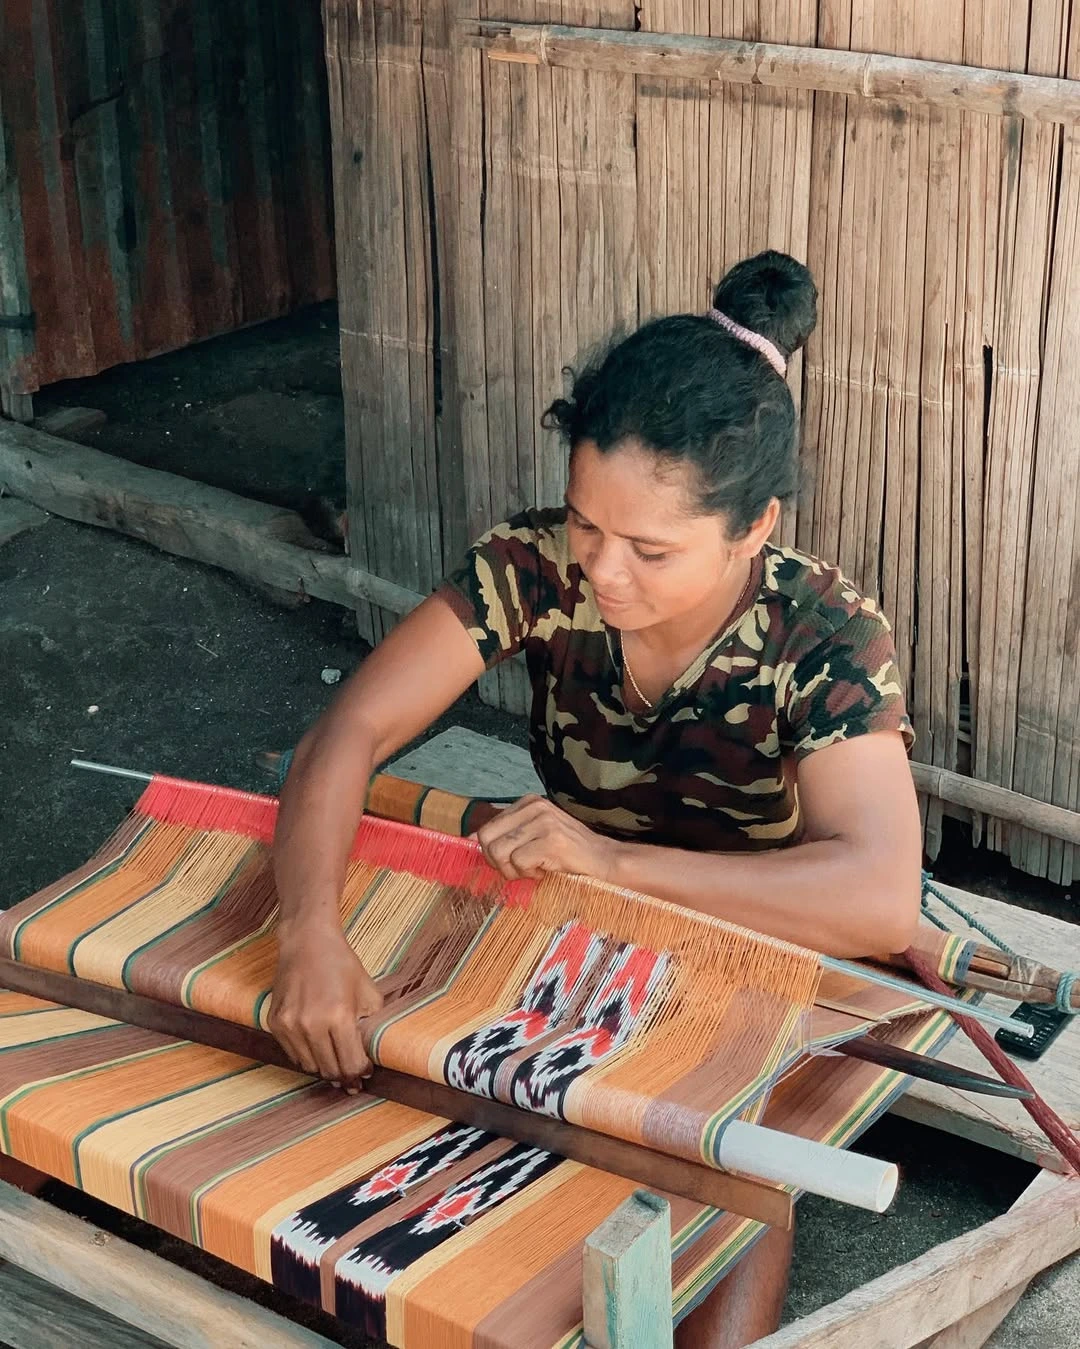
<point x="758" y="534"/>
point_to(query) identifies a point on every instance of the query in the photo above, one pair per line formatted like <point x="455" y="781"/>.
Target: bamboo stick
<point x="871" y="75"/>
<point x="989" y="799"/>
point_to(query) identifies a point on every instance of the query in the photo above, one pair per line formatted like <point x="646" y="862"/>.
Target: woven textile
<point x="430" y="1233"/>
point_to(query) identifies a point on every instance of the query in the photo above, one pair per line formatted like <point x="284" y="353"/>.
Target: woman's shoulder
<point x="543" y="525"/>
<point x="533" y="540"/>
<point x="813" y="595"/>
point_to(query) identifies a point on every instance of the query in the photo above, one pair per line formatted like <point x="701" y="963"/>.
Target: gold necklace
<point x="633" y="681"/>
<point x="734" y="610"/>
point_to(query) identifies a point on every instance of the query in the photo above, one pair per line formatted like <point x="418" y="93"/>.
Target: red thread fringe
<point x="431" y="856"/>
<point x="1048" y="1120"/>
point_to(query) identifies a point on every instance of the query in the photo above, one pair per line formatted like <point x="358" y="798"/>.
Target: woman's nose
<point x="606" y="567"/>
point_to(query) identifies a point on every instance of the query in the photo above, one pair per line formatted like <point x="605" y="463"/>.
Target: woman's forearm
<point x="321" y="806"/>
<point x="834" y="896"/>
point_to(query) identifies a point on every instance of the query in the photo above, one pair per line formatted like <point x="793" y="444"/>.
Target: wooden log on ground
<point x="869" y="75"/>
<point x="167" y="1302"/>
<point x="16" y="517"/>
<point x="908" y="1305"/>
<point x="263" y="544"/>
<point x="626" y="1277"/>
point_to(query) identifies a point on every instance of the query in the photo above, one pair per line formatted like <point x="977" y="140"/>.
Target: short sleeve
<point x="848" y="685"/>
<point x="494" y="590"/>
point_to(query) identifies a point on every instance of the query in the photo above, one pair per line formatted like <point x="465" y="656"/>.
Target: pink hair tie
<point x="748" y="337"/>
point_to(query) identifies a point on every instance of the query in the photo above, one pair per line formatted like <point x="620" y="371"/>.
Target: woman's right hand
<point x="321" y="991"/>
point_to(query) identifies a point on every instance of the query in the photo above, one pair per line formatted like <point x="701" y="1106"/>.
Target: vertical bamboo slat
<point x="1048" y="713"/>
<point x="383" y="75"/>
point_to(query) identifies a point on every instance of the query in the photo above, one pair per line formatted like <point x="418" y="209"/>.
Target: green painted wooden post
<point x="627" y="1277"/>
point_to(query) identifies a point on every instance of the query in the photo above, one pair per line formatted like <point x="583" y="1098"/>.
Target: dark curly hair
<point x="686" y="389"/>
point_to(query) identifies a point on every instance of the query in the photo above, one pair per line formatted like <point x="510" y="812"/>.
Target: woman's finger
<point x="302" y="1054"/>
<point x="531" y="860"/>
<point x="513" y="817"/>
<point x="325" y="1055"/>
<point x="349" y="1048"/>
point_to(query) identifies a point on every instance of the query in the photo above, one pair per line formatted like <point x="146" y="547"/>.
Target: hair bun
<point x="773" y="295"/>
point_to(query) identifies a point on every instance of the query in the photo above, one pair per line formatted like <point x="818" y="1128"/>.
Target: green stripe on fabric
<point x="106" y="869"/>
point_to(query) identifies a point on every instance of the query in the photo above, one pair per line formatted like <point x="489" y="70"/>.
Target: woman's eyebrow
<point x="632" y="538"/>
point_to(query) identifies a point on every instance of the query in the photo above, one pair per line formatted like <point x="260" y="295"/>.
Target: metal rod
<point x="828" y="962"/>
<point x="112" y="770"/>
<point x="955" y="1005"/>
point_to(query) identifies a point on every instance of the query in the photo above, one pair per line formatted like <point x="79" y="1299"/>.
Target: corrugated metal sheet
<point x="164" y="176"/>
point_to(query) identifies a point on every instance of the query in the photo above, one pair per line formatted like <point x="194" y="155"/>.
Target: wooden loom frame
<point x="951" y="1297"/>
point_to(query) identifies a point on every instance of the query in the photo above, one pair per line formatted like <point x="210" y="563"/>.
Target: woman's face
<point x="635" y="533"/>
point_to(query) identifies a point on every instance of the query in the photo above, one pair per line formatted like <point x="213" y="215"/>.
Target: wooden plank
<point x="36" y="1315"/>
<point x="752" y="1198"/>
<point x="1001" y="1124"/>
<point x="470" y="764"/>
<point x="626" y="1284"/>
<point x="1028" y="179"/>
<point x="170" y="1303"/>
<point x="869" y="75"/>
<point x="906" y="1306"/>
<point x="385" y="145"/>
<point x="352" y="158"/>
<point x="972" y="1331"/>
<point x="261" y="543"/>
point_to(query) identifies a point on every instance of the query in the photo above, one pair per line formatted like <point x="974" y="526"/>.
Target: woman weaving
<point x="717" y="721"/>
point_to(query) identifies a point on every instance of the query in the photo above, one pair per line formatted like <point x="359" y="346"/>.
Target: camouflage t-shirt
<point x="804" y="662"/>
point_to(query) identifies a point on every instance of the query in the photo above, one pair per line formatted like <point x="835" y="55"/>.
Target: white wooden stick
<point x="770" y="1154"/>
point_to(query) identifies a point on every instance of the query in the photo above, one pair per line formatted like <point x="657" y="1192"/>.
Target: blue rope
<point x="1063" y="995"/>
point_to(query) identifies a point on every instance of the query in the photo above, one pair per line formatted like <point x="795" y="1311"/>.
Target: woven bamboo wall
<point x="497" y="219"/>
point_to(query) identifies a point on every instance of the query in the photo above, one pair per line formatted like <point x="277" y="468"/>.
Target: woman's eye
<point x="650" y="557"/>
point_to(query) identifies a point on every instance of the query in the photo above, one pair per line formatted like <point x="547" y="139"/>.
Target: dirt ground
<point x="110" y="650"/>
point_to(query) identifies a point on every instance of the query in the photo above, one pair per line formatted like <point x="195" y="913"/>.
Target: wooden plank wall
<point x="939" y="393"/>
<point x="164" y="177"/>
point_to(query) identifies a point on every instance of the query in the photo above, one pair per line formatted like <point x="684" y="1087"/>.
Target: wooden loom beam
<point x="704" y="1184"/>
<point x="869" y="75"/>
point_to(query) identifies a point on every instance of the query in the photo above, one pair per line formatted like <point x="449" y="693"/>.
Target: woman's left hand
<point x="533" y="836"/>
